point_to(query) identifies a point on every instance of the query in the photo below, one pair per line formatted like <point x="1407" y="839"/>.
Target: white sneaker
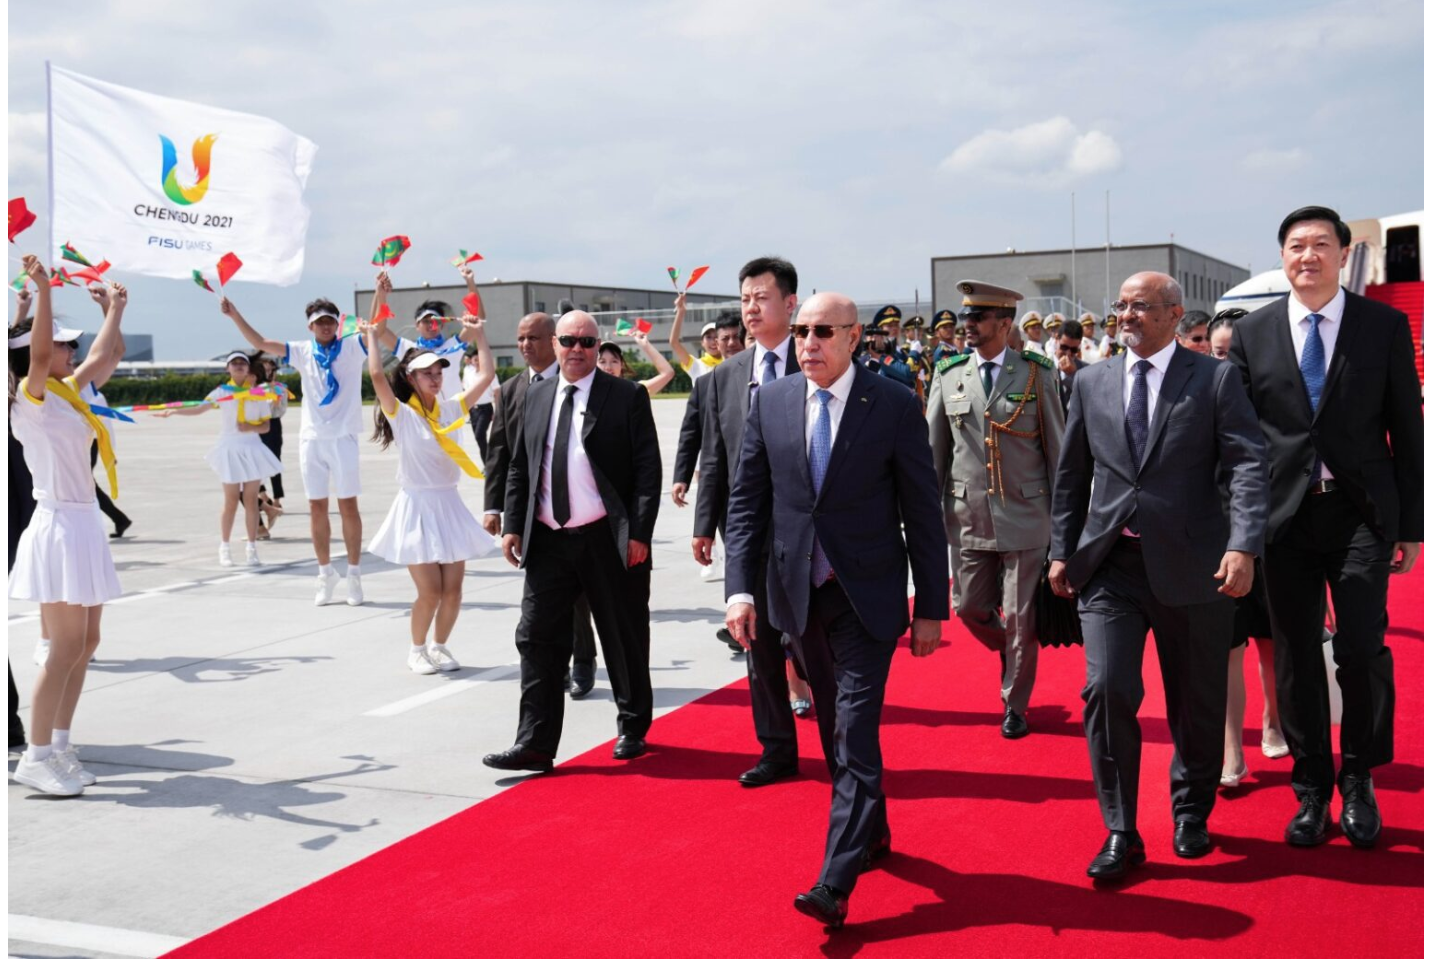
<point x="251" y="555"/>
<point x="226" y="560"/>
<point x="42" y="652"/>
<point x="442" y="658"/>
<point x="49" y="776"/>
<point x="326" y="584"/>
<point x="70" y="760"/>
<point x="355" y="590"/>
<point x="419" y="662"/>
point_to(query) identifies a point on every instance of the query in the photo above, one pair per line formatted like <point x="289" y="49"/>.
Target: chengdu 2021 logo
<point x="175" y="191"/>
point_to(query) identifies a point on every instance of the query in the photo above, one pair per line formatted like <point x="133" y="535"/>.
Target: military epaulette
<point x="950" y="362"/>
<point x="1037" y="358"/>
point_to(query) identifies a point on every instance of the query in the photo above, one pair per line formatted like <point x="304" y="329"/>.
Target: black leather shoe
<point x="824" y="904"/>
<point x="767" y="772"/>
<point x="730" y="641"/>
<point x="1190" y="838"/>
<point x="1360" y="820"/>
<point x="120" y="527"/>
<point x="519" y="759"/>
<point x="1121" y="852"/>
<point x="877" y="849"/>
<point x="1310" y="826"/>
<point x="1014" y="724"/>
<point x="583" y="677"/>
<point x="628" y="747"/>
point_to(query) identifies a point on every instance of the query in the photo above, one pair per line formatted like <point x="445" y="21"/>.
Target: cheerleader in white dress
<point x="428" y="528"/>
<point x="239" y="458"/>
<point x="63" y="559"/>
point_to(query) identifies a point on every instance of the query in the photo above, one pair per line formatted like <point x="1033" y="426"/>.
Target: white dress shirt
<point x="531" y="376"/>
<point x="1153" y="380"/>
<point x="978" y="361"/>
<point x="758" y="363"/>
<point x="1331" y="314"/>
<point x="840" y="394"/>
<point x="582" y="494"/>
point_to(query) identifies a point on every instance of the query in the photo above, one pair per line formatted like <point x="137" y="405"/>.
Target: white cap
<point x="428" y="312"/>
<point x="709" y="328"/>
<point x="321" y="313"/>
<point x="63" y="335"/>
<point x="234" y="354"/>
<point x="426" y="359"/>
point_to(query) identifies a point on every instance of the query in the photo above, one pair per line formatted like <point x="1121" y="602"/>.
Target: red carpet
<point x="668" y="856"/>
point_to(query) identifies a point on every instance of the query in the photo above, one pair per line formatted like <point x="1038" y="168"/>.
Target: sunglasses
<point x="1196" y="339"/>
<point x="822" y="331"/>
<point x="571" y="340"/>
<point x="1069" y="349"/>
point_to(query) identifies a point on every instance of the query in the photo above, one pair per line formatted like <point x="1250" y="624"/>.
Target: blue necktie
<point x="1136" y="423"/>
<point x="820" y="570"/>
<point x="769" y="374"/>
<point x="1314" y="373"/>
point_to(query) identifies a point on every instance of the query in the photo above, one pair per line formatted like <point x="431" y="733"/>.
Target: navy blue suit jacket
<point x="881" y="474"/>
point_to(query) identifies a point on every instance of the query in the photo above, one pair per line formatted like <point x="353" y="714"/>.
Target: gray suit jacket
<point x="727" y="403"/>
<point x="1204" y="438"/>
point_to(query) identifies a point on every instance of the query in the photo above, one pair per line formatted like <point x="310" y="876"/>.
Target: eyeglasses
<point x="1138" y="307"/>
<point x="571" y="340"/>
<point x="822" y="331"/>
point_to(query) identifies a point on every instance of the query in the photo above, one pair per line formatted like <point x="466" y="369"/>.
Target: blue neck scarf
<point x="431" y="343"/>
<point x="325" y="356"/>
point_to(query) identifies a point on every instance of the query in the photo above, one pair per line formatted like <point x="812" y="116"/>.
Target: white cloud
<point x="1275" y="160"/>
<point x="28" y="159"/>
<point x="1050" y="153"/>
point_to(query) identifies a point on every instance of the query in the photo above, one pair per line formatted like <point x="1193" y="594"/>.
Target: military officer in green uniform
<point x="995" y="427"/>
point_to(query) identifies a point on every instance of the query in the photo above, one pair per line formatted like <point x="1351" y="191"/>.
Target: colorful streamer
<point x="199" y="279"/>
<point x="463" y="257"/>
<point x="246" y="395"/>
<point x="68" y="252"/>
<point x="641" y="324"/>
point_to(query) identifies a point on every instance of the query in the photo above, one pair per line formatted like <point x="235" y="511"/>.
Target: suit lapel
<point x="601" y="388"/>
<point x="535" y="423"/>
<point x="1180" y="369"/>
<point x="857" y="409"/>
<point x="793" y="363"/>
<point x="1344" y="346"/>
<point x="795" y="424"/>
<point x="1112" y="401"/>
<point x="744" y="364"/>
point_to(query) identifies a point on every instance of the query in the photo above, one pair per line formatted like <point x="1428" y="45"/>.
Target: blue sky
<point x="600" y="142"/>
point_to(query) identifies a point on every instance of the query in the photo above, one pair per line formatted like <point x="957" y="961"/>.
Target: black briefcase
<point x="1056" y="619"/>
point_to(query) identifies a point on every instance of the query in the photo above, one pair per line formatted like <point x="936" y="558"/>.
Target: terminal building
<point x="1086" y="279"/>
<point x="507" y="302"/>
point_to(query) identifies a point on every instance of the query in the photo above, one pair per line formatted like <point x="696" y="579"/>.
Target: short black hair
<point x="1191" y="320"/>
<point x="443" y="308"/>
<point x="783" y="270"/>
<point x="321" y="304"/>
<point x="1071" y="329"/>
<point x="728" y="319"/>
<point x="1316" y="213"/>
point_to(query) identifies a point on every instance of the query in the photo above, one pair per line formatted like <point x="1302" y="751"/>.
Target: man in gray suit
<point x="1161" y="435"/>
<point x="768" y="299"/>
<point x="995" y="423"/>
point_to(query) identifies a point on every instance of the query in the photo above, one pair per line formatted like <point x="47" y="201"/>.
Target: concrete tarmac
<point x="247" y="743"/>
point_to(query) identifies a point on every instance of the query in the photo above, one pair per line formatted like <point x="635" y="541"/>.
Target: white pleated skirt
<point x="239" y="458"/>
<point x="63" y="557"/>
<point x="431" y="525"/>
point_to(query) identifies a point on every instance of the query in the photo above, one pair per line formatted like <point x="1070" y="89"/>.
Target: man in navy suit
<point x="1333" y="378"/>
<point x="1155" y="442"/>
<point x="831" y="465"/>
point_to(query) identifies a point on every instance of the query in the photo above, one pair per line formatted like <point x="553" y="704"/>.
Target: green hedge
<point x="121" y="391"/>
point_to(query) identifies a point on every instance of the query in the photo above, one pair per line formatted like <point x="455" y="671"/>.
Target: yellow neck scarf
<point x="68" y="391"/>
<point x="710" y="360"/>
<point x="242" y="391"/>
<point x="449" y="446"/>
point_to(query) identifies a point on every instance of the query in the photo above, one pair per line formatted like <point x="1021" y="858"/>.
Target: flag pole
<point x="50" y="160"/>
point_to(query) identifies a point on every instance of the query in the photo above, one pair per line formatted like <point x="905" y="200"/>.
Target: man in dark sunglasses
<point x="1067" y="347"/>
<point x="583" y="490"/>
<point x="995" y="424"/>
<point x="1192" y="331"/>
<point x="832" y="462"/>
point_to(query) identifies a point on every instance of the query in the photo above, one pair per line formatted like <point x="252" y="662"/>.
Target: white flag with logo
<point x="163" y="187"/>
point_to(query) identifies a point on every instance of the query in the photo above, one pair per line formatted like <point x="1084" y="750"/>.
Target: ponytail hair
<point x="19" y="356"/>
<point x="402" y="390"/>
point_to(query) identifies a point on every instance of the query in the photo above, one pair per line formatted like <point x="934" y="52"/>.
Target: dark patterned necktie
<point x="1136" y="422"/>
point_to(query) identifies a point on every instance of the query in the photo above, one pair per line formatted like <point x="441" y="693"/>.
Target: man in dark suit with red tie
<point x="768" y="300"/>
<point x="582" y="496"/>
<point x="835" y="502"/>
<point x="1333" y="378"/>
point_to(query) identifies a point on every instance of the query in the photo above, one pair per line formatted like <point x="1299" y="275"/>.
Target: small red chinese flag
<point x="695" y="275"/>
<point x="20" y="217"/>
<point x="384" y="312"/>
<point x="472" y="304"/>
<point x="229" y="265"/>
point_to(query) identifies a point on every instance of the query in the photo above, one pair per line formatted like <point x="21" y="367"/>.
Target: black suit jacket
<point x="878" y="513"/>
<point x="725" y="422"/>
<point x="1204" y="437"/>
<point x="501" y="442"/>
<point x="1066" y="384"/>
<point x="619" y="436"/>
<point x="688" y="442"/>
<point x="1368" y="425"/>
